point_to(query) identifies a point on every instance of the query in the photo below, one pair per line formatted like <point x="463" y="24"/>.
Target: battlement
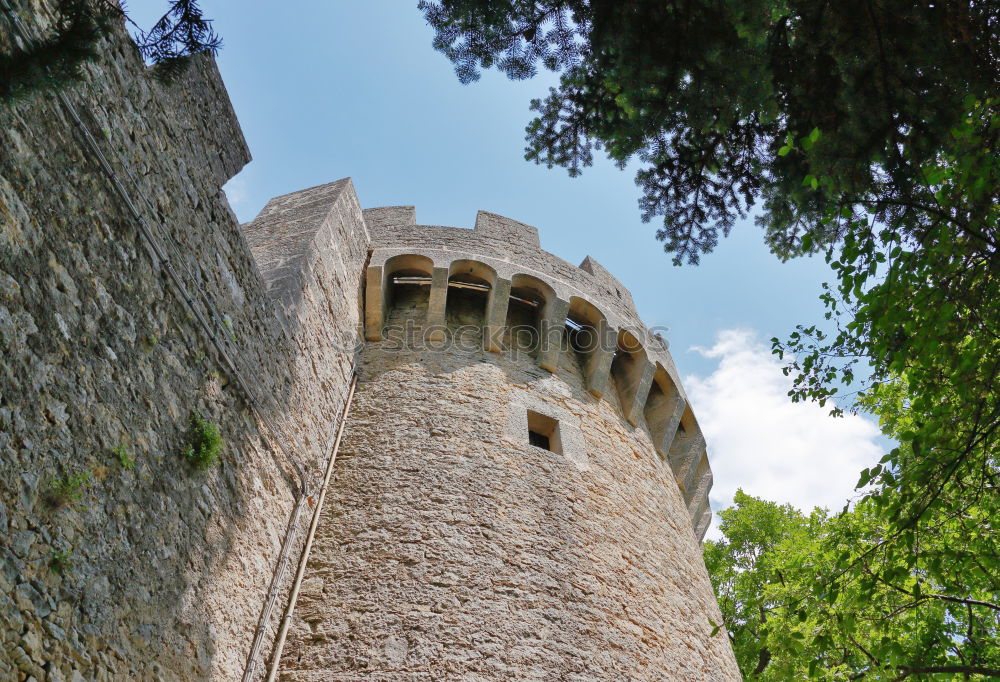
<point x="610" y="283"/>
<point x="488" y="225"/>
<point x="624" y="362"/>
<point x="493" y="226"/>
<point x="386" y="217"/>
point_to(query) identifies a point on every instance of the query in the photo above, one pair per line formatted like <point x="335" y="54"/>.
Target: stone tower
<point x="522" y="486"/>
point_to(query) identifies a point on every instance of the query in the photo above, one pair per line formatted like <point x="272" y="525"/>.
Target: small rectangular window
<point x="539" y="440"/>
<point x="543" y="432"/>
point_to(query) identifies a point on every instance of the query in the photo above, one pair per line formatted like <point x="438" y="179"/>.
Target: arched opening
<point x="627" y="368"/>
<point x="529" y="297"/>
<point x="661" y="403"/>
<point x="585" y="329"/>
<point x="469" y="286"/>
<point x="406" y="287"/>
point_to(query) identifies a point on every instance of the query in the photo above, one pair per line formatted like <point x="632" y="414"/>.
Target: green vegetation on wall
<point x="204" y="443"/>
<point x="64" y="491"/>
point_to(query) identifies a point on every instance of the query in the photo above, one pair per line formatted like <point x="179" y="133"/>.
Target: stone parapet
<point x="504" y="256"/>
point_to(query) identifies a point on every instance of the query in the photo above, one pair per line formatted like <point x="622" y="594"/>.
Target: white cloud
<point x="760" y="441"/>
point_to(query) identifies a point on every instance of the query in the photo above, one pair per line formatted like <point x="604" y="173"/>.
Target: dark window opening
<point x="543" y="432"/>
<point x="538" y="440"/>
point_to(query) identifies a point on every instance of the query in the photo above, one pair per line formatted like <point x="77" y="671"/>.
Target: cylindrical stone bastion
<point x="522" y="486"/>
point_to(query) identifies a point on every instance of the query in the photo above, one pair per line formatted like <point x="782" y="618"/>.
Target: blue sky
<point x="326" y="90"/>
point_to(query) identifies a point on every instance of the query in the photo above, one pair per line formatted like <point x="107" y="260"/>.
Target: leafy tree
<point x="866" y="129"/>
<point x="56" y="59"/>
<point x="743" y="564"/>
<point x="823" y="597"/>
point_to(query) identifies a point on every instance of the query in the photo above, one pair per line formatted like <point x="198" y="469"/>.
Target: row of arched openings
<point x="585" y="335"/>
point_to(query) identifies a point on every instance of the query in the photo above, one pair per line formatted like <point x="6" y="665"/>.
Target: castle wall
<point x="451" y="548"/>
<point x="169" y="566"/>
<point x="513" y="247"/>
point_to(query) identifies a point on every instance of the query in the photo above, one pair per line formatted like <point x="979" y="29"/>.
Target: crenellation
<point x="507" y="231"/>
<point x="388" y="217"/>
<point x="601" y="290"/>
<point x="608" y="282"/>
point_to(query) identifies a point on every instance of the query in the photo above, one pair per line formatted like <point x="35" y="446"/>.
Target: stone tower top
<point x="504" y="256"/>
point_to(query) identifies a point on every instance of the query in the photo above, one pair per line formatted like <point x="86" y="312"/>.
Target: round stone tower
<point x="522" y="486"/>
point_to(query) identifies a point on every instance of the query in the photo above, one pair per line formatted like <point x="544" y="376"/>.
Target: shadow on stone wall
<point x="158" y="571"/>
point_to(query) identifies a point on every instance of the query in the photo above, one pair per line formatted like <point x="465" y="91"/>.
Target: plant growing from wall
<point x="204" y="443"/>
<point x="67" y="490"/>
<point x="60" y="561"/>
<point x="123" y="456"/>
<point x="56" y="59"/>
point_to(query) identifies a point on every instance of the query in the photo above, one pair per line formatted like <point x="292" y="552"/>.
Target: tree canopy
<point x="826" y="597"/>
<point x="825" y="111"/>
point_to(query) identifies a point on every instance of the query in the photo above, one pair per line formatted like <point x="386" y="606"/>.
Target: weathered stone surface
<point x="504" y="255"/>
<point x="169" y="567"/>
<point x="450" y="548"/>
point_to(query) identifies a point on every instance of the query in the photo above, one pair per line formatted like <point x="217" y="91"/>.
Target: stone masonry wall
<point x="451" y="549"/>
<point x="504" y="255"/>
<point x="168" y="567"/>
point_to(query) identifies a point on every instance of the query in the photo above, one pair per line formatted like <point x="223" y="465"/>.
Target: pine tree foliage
<point x="724" y="102"/>
<point x="56" y="59"/>
<point x="181" y="32"/>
